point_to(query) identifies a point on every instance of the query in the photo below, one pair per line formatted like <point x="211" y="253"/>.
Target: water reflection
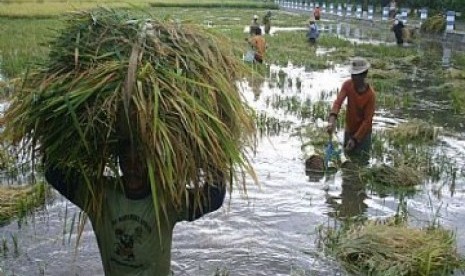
<point x="255" y="83"/>
<point x="446" y="55"/>
<point x="350" y="202"/>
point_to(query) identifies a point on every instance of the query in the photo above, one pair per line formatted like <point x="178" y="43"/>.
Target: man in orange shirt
<point x="316" y="13"/>
<point x="258" y="44"/>
<point x="360" y="110"/>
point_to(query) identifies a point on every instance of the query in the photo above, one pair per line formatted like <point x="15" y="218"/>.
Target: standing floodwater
<point x="270" y="231"/>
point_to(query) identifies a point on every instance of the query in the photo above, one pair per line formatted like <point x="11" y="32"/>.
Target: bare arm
<point x="70" y="185"/>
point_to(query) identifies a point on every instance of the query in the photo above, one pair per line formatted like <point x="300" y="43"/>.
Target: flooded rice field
<point x="273" y="230"/>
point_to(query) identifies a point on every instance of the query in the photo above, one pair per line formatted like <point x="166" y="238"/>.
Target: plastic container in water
<point x="249" y="56"/>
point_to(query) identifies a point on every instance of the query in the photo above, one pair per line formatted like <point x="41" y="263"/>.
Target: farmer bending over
<point x="398" y="29"/>
<point x="258" y="44"/>
<point x="360" y="110"/>
<point x="313" y="32"/>
<point x="126" y="226"/>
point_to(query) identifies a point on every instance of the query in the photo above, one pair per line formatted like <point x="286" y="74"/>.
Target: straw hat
<point x="358" y="65"/>
<point x="255" y="17"/>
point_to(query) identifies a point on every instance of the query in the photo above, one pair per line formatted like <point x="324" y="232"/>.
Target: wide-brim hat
<point x="358" y="65"/>
<point x="255" y="17"/>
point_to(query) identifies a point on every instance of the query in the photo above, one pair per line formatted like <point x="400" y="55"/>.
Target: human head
<point x="359" y="70"/>
<point x="129" y="152"/>
<point x="358" y="66"/>
<point x="255" y="17"/>
<point x="268" y="13"/>
<point x="131" y="164"/>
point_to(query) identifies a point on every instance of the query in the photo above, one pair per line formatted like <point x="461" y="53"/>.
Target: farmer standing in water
<point x="360" y="110"/>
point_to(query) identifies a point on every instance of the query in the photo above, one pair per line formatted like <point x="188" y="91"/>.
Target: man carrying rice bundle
<point x="139" y="123"/>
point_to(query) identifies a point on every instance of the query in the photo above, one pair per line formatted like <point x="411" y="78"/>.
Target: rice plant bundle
<point x="400" y="176"/>
<point x="19" y="200"/>
<point x="377" y="249"/>
<point x="169" y="88"/>
<point x="434" y="24"/>
<point x="413" y="131"/>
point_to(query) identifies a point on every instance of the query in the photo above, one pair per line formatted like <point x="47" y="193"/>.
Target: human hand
<point x="350" y="144"/>
<point x="331" y="127"/>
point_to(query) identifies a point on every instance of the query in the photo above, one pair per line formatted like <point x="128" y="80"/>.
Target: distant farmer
<point x="313" y="32"/>
<point x="392" y="9"/>
<point x="316" y="13"/>
<point x="398" y="29"/>
<point x="258" y="44"/>
<point x="254" y="25"/>
<point x="126" y="227"/>
<point x="359" y="114"/>
<point x="267" y="22"/>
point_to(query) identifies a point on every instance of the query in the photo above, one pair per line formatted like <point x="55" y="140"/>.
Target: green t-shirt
<point x="129" y="239"/>
<point x="126" y="227"/>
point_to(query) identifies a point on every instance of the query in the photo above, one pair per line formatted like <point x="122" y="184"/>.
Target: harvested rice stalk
<point x="434" y="24"/>
<point x="20" y="200"/>
<point x="168" y="87"/>
<point x="413" y="131"/>
<point x="377" y="249"/>
<point x="401" y="176"/>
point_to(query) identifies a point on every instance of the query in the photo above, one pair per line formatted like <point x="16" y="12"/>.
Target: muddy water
<point x="272" y="230"/>
<point x="269" y="232"/>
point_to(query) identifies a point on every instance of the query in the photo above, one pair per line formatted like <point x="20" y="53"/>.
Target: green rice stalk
<point x="19" y="201"/>
<point x="400" y="176"/>
<point x="434" y="24"/>
<point x="413" y="131"/>
<point x="387" y="249"/>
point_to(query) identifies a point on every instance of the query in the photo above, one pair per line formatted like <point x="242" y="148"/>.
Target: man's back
<point x="259" y="44"/>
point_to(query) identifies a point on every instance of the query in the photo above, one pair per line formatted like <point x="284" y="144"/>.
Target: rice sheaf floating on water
<point x="170" y="87"/>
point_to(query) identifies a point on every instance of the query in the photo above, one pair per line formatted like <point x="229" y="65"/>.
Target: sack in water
<point x="249" y="56"/>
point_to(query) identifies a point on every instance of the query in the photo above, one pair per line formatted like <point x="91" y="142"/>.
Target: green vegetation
<point x="413" y="131"/>
<point x="23" y="43"/>
<point x="20" y="201"/>
<point x="49" y="9"/>
<point x="459" y="60"/>
<point x="373" y="248"/>
<point x="434" y="24"/>
<point x="458" y="100"/>
<point x="397" y="177"/>
<point x="216" y="4"/>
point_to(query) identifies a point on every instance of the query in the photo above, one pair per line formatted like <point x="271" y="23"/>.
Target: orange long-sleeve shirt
<point x="360" y="109"/>
<point x="259" y="44"/>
